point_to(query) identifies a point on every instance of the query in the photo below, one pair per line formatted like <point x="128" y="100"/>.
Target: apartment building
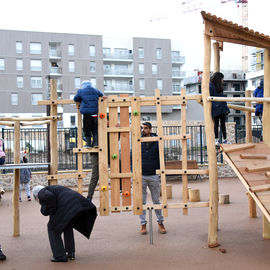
<point x="234" y="86"/>
<point x="135" y="66"/>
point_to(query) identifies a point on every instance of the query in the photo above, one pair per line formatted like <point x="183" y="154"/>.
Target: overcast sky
<point x="135" y="18"/>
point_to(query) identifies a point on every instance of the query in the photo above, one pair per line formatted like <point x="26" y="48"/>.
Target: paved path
<point x="116" y="243"/>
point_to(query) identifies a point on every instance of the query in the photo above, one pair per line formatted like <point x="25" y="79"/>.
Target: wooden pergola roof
<point x="226" y="31"/>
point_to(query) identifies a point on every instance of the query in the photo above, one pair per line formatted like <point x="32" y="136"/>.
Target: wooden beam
<point x="216" y="56"/>
<point x="66" y="176"/>
<point x="85" y="150"/>
<point x="253" y="156"/>
<point x="248" y="118"/>
<point x="211" y="149"/>
<point x="257" y="169"/>
<point x="240" y="99"/>
<point x="56" y="102"/>
<point x="6" y="124"/>
<point x="238" y="147"/>
<point x="252" y="207"/>
<point x="260" y="188"/>
<point x="242" y="108"/>
<point x="29" y="119"/>
<point x="183" y="172"/>
<point x="36" y="123"/>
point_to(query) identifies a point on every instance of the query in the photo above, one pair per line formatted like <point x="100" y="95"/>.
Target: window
<point x="19" y="64"/>
<point x="14" y="99"/>
<point x="159" y="53"/>
<point x="71" y="49"/>
<point x="234" y="75"/>
<point x="236" y="86"/>
<point x="94" y="82"/>
<point x="71" y="66"/>
<point x="2" y="64"/>
<point x="20" y="81"/>
<point x="35" y="65"/>
<point x="72" y="120"/>
<point x="36" y="82"/>
<point x="154" y="69"/>
<point x="141" y="68"/>
<point x="92" y="50"/>
<point x="36" y="98"/>
<point x="35" y="48"/>
<point x="141" y="52"/>
<point x="19" y="48"/>
<point x="92" y="66"/>
<point x="159" y="84"/>
<point x="141" y="84"/>
<point x="77" y="82"/>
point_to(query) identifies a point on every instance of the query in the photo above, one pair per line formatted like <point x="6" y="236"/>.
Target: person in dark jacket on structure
<point x="150" y="163"/>
<point x="88" y="97"/>
<point x="67" y="209"/>
<point x="2" y="255"/>
<point x="219" y="109"/>
<point x="258" y="92"/>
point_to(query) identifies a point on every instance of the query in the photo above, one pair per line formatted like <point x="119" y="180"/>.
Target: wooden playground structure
<point x="127" y="136"/>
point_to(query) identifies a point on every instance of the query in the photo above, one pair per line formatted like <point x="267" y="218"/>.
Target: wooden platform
<point x="251" y="163"/>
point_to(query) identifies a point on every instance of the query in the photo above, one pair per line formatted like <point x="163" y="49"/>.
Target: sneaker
<point x="161" y="229"/>
<point x="217" y="142"/>
<point x="20" y="199"/>
<point x="71" y="255"/>
<point x="2" y="256"/>
<point x="29" y="198"/>
<point x="226" y="142"/>
<point x="59" y="259"/>
<point x="143" y="229"/>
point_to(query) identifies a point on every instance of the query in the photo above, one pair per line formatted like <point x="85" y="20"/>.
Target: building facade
<point x="136" y="66"/>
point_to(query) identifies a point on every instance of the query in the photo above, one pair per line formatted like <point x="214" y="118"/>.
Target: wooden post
<point x="136" y="155"/>
<point x="210" y="140"/>
<point x="251" y="202"/>
<point x="184" y="149"/>
<point x="194" y="195"/>
<point x="53" y="134"/>
<point x="16" y="183"/>
<point x="248" y="119"/>
<point x="265" y="122"/>
<point x="216" y="57"/>
<point x="103" y="158"/>
<point x="79" y="145"/>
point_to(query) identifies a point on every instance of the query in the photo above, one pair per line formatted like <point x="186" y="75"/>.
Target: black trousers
<point x="56" y="242"/>
<point x="220" y="118"/>
<point x="90" y="125"/>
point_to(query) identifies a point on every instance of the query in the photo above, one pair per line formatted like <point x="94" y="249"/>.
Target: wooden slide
<point x="251" y="163"/>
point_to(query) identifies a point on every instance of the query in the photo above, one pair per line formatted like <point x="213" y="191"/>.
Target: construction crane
<point x="192" y="5"/>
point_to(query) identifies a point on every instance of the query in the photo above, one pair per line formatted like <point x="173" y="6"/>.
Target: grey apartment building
<point x="136" y="66"/>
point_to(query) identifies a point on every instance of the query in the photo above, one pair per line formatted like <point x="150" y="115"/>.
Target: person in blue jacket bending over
<point x="258" y="92"/>
<point x="88" y="96"/>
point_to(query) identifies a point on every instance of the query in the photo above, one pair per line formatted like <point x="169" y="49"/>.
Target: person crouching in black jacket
<point x="67" y="209"/>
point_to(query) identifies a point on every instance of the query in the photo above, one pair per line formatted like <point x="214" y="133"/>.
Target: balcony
<point x="178" y="59"/>
<point x="128" y="89"/>
<point x="55" y="54"/>
<point x="123" y="56"/>
<point x="59" y="88"/>
<point x="55" y="71"/>
<point x="178" y="74"/>
<point x="118" y="73"/>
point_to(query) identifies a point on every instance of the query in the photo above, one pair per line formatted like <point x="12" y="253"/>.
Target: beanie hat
<point x="36" y="190"/>
<point x="86" y="83"/>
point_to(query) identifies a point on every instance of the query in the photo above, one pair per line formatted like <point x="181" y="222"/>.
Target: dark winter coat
<point x="25" y="175"/>
<point x="218" y="108"/>
<point x="66" y="206"/>
<point x="259" y="94"/>
<point x="88" y="97"/>
<point x="150" y="157"/>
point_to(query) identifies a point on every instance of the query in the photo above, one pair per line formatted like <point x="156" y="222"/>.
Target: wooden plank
<point x="252" y="207"/>
<point x="260" y="188"/>
<point x="53" y="134"/>
<point x="246" y="108"/>
<point x="85" y="150"/>
<point x="253" y="156"/>
<point x="166" y="138"/>
<point x="6" y="124"/>
<point x="183" y="172"/>
<point x="258" y="169"/>
<point x="66" y="176"/>
<point x="56" y="102"/>
<point x="267" y="174"/>
<point x="16" y="183"/>
<point x="240" y="99"/>
<point x="161" y="151"/>
<point x="119" y="129"/>
<point x="28" y="119"/>
<point x="103" y="159"/>
<point x="120" y="175"/>
<point x="125" y="154"/>
<point x="114" y="160"/>
<point x="136" y="155"/>
<point x="228" y="148"/>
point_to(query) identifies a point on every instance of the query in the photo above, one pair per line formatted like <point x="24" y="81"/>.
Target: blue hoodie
<point x="259" y="93"/>
<point x="88" y="96"/>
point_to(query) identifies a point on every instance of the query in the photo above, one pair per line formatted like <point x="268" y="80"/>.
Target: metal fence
<point x="35" y="140"/>
<point x="240" y="133"/>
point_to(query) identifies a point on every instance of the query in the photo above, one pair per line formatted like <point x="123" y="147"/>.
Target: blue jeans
<point x="153" y="183"/>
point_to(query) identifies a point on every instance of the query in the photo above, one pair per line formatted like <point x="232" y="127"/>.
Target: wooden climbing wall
<point x="120" y="121"/>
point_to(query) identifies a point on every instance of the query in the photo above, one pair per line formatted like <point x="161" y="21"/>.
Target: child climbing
<point x="25" y="177"/>
<point x="219" y="109"/>
<point x="88" y="96"/>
